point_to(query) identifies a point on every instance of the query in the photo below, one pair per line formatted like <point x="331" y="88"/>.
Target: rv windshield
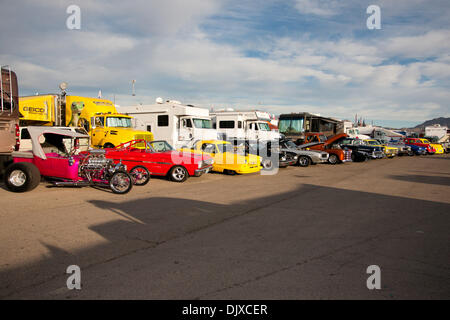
<point x="264" y="126"/>
<point x="203" y="123"/>
<point x="121" y="122"/>
<point x="287" y="126"/>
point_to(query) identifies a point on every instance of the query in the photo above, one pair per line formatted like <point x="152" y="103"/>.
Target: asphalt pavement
<point x="304" y="233"/>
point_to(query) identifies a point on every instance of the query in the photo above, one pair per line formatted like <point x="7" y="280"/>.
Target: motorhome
<point x="180" y="125"/>
<point x="9" y="115"/>
<point x="295" y="125"/>
<point x="250" y="125"/>
<point x="379" y="133"/>
<point x="437" y="131"/>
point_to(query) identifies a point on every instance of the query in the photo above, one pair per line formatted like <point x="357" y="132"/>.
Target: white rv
<point x="180" y="125"/>
<point x="251" y="125"/>
<point x="437" y="131"/>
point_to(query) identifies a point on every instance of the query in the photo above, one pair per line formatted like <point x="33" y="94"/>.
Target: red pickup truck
<point x="318" y="141"/>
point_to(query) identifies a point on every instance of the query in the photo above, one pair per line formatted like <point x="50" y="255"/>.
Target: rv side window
<point x="240" y="124"/>
<point x="149" y="128"/>
<point x="226" y="124"/>
<point x="163" y="121"/>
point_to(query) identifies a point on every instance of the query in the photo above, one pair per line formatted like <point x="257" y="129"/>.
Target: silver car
<point x="305" y="157"/>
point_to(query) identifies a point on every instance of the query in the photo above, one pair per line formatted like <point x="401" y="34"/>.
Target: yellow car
<point x="390" y="152"/>
<point x="226" y="160"/>
<point x="438" y="147"/>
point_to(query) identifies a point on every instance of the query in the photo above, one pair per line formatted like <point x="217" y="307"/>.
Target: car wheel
<point x="178" y="174"/>
<point x="108" y="145"/>
<point x="304" y="161"/>
<point x="121" y="182"/>
<point x="333" y="159"/>
<point x="229" y="172"/>
<point x="140" y="175"/>
<point x="22" y="177"/>
<point x="267" y="164"/>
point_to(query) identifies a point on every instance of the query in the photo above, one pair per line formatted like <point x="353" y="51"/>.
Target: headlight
<point x="283" y="158"/>
<point x="296" y="157"/>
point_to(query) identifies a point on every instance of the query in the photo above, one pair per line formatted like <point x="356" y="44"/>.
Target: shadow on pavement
<point x="439" y="180"/>
<point x="313" y="242"/>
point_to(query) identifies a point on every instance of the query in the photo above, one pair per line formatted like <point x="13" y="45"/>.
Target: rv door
<point x="186" y="129"/>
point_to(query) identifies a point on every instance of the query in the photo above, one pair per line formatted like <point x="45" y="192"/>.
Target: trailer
<point x="249" y="125"/>
<point x="9" y="116"/>
<point x="180" y="125"/>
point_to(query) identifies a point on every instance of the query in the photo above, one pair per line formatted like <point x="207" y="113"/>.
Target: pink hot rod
<point x="57" y="154"/>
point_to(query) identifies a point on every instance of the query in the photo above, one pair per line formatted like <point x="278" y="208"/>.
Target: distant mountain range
<point x="442" y="121"/>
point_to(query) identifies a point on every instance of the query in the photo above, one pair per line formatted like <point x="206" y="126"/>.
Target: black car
<point x="361" y="151"/>
<point x="265" y="149"/>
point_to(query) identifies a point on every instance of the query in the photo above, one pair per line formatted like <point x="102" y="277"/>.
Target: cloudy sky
<point x="276" y="55"/>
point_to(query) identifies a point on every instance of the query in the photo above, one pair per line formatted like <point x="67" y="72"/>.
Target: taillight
<point x="17" y="146"/>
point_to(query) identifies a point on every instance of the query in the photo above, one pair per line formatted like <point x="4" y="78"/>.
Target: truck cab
<point x="250" y="125"/>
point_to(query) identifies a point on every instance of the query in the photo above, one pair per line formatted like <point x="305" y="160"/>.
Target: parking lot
<point x="305" y="233"/>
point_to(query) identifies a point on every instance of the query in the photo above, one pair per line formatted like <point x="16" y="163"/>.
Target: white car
<point x="25" y="139"/>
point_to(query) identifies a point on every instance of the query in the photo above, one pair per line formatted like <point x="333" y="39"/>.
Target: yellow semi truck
<point x="98" y="117"/>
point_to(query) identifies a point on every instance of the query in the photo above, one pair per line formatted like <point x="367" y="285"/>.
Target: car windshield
<point x="346" y="141"/>
<point x="119" y="122"/>
<point x="203" y="123"/>
<point x="264" y="126"/>
<point x="372" y="142"/>
<point x="287" y="126"/>
<point x="225" y="147"/>
<point x="160" y="146"/>
<point x="290" y="144"/>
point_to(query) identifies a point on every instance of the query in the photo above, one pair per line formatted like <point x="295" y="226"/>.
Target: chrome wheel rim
<point x="120" y="182"/>
<point x="140" y="175"/>
<point x="17" y="178"/>
<point x="178" y="174"/>
<point x="303" y="161"/>
<point x="333" y="158"/>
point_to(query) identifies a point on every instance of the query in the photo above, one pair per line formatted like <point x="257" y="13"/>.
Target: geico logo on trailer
<point x="36" y="110"/>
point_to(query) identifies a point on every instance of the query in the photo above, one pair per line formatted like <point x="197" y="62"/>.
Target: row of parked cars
<point x="64" y="156"/>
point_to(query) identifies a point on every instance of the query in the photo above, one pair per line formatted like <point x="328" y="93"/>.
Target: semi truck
<point x="249" y="125"/>
<point x="180" y="125"/>
<point x="99" y="117"/>
<point x="9" y="116"/>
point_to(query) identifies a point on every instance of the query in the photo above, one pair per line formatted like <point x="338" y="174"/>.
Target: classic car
<point x="419" y="143"/>
<point x="146" y="158"/>
<point x="271" y="155"/>
<point x="305" y="157"/>
<point x="443" y="142"/>
<point x="390" y="152"/>
<point x="402" y="148"/>
<point x="361" y="151"/>
<point x="56" y="155"/>
<point x="318" y="141"/>
<point x="226" y="159"/>
<point x="439" y="149"/>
